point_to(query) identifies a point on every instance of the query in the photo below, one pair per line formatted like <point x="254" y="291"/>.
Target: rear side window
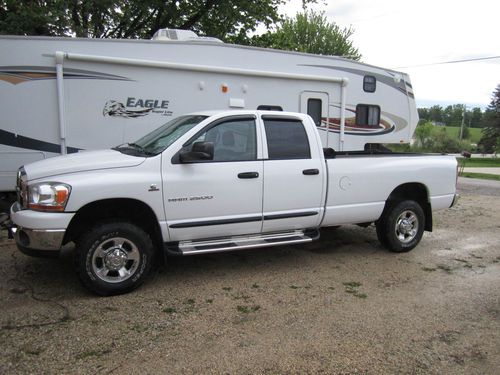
<point x="286" y="139"/>
<point x="367" y="115"/>
<point x="314" y="110"/>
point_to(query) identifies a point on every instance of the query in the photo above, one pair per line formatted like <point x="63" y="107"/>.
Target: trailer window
<point x="369" y="84"/>
<point x="286" y="139"/>
<point x="314" y="110"/>
<point x="367" y="115"/>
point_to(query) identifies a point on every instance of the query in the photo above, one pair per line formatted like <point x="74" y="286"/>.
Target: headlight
<point x="48" y="196"/>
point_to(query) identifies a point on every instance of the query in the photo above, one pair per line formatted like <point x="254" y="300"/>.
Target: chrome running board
<point x="241" y="242"/>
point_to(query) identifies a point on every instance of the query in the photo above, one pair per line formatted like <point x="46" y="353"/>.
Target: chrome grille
<point x="21" y="188"/>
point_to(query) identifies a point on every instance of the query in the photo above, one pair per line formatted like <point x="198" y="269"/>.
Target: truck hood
<point x="80" y="162"/>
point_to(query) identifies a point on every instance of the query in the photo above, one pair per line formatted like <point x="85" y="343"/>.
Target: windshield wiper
<point x="137" y="147"/>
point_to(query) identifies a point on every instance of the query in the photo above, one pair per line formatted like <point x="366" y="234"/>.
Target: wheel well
<point x="416" y="192"/>
<point x="130" y="210"/>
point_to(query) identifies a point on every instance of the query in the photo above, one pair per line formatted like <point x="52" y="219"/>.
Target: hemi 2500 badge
<point x="195" y="198"/>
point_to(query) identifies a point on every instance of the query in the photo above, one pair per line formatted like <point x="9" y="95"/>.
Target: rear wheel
<point x="402" y="226"/>
<point x="113" y="258"/>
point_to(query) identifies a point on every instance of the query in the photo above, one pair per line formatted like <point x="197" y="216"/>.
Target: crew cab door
<point x="294" y="173"/>
<point x="219" y="197"/>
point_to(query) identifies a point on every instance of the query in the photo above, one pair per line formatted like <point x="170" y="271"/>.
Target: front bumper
<point x="39" y="239"/>
<point x="455" y="200"/>
<point x="39" y="233"/>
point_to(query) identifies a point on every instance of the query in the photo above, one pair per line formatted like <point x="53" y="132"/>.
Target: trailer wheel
<point x="402" y="226"/>
<point x="113" y="258"/>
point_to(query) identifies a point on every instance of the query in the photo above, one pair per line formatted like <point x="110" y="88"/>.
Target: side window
<point x="367" y="115"/>
<point x="286" y="139"/>
<point x="314" y="110"/>
<point x="233" y="140"/>
<point x="369" y="84"/>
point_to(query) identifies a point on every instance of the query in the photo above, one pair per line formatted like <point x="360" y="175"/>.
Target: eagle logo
<point x="117" y="109"/>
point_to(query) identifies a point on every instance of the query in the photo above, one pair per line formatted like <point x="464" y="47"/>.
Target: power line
<point x="450" y="62"/>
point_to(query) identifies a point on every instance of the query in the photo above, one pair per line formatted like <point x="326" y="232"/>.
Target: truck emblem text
<point x="195" y="198"/>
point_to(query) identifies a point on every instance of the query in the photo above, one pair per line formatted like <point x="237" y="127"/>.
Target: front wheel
<point x="113" y="258"/>
<point x="402" y="226"/>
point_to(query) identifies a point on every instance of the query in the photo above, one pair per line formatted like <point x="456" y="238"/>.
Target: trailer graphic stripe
<point x="20" y="74"/>
<point x="15" y="140"/>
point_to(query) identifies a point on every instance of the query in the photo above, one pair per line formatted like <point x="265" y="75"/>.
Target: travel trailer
<point x="66" y="95"/>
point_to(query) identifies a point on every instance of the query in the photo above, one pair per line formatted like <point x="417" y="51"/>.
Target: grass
<point x="475" y="134"/>
<point x="445" y="268"/>
<point x="169" y="310"/>
<point x="480" y="162"/>
<point x="93" y="353"/>
<point x="428" y="269"/>
<point x="351" y="287"/>
<point x="247" y="309"/>
<point x="484" y="176"/>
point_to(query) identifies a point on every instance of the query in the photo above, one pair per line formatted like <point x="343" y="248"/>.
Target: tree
<point x="310" y="32"/>
<point x="476" y="117"/>
<point x="423" y="134"/>
<point x="490" y="141"/>
<point x="436" y="113"/>
<point x="229" y="20"/>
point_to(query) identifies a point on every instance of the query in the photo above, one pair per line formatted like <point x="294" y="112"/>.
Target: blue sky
<point x="408" y="35"/>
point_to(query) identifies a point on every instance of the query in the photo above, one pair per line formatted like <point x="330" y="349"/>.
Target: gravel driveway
<point x="341" y="305"/>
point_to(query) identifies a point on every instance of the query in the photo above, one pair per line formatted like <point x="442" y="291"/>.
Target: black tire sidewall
<point x="89" y="243"/>
<point x="389" y="224"/>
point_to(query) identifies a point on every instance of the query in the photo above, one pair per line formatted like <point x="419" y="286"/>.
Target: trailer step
<point x="242" y="242"/>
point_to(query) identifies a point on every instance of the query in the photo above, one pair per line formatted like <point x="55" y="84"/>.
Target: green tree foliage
<point x="229" y="20"/>
<point x="310" y="32"/>
<point x="452" y="115"/>
<point x="423" y="134"/>
<point x="490" y="141"/>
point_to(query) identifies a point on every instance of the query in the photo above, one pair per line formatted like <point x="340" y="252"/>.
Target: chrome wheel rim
<point x="406" y="226"/>
<point x="115" y="260"/>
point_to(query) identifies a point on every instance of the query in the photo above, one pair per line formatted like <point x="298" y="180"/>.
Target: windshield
<point x="158" y="140"/>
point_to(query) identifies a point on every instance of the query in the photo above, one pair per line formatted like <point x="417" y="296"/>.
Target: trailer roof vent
<point x="182" y="35"/>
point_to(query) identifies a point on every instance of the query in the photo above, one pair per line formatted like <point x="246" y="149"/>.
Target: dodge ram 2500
<point x="219" y="181"/>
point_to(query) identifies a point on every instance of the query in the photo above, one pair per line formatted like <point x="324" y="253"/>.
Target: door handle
<point x="248" y="175"/>
<point x="310" y="172"/>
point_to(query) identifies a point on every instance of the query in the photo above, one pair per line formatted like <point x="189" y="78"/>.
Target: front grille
<point x="21" y="187"/>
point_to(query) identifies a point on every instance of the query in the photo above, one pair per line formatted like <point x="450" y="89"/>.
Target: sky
<point x="408" y="35"/>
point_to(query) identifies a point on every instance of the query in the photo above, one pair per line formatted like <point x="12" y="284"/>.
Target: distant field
<point x="481" y="162"/>
<point x="475" y="134"/>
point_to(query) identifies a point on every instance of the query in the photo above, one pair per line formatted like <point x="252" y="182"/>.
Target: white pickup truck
<point x="219" y="181"/>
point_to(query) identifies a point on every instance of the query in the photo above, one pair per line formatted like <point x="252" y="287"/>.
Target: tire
<point x="113" y="258"/>
<point x="401" y="227"/>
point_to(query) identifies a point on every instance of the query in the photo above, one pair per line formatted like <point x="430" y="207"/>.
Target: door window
<point x="314" y="110"/>
<point x="233" y="140"/>
<point x="286" y="139"/>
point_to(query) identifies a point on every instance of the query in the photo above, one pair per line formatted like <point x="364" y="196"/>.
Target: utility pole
<point x="462" y="126"/>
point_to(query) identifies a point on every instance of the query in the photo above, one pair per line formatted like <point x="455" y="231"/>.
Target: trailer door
<point x="315" y="104"/>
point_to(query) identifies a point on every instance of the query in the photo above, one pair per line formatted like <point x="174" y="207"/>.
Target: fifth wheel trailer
<point x="66" y="95"/>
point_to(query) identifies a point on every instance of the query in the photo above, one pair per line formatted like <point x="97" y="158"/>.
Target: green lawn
<point x="475" y="134"/>
<point x="481" y="162"/>
<point x="484" y="176"/>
